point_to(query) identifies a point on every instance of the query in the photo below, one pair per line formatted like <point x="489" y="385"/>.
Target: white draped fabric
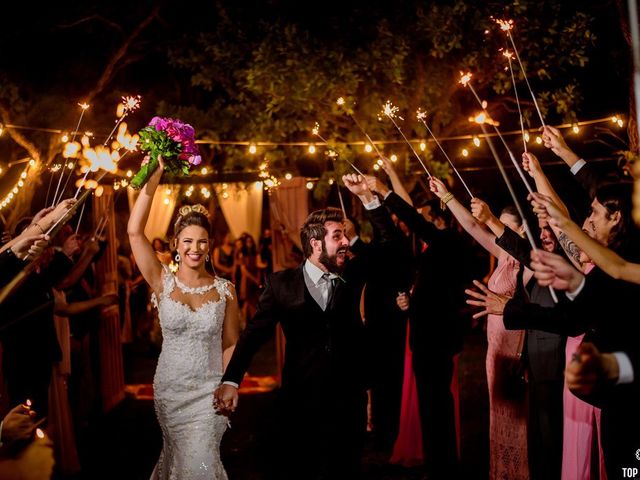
<point x="162" y="207"/>
<point x="241" y="206"/>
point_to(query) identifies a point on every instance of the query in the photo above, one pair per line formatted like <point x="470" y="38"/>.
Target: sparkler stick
<point x="506" y="26"/>
<point x="391" y="111"/>
<point x="316" y="132"/>
<point x="80" y="217"/>
<point x="340" y="101"/>
<point x="83" y="107"/>
<point x="129" y="105"/>
<point x="465" y="80"/>
<point x="509" y="56"/>
<point x="525" y="224"/>
<point x="420" y="115"/>
<point x="18" y="279"/>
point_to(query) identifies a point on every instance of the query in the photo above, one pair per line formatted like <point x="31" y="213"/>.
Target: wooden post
<point x="111" y="365"/>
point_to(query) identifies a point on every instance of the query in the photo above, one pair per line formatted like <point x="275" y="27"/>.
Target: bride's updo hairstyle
<point x="191" y="215"/>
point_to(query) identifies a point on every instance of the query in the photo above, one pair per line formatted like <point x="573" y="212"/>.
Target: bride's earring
<point x="207" y="257"/>
<point x="177" y="257"/>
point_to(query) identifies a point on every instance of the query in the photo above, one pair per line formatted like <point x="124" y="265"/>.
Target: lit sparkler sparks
<point x="332" y="153"/>
<point x="481" y="121"/>
<point x="391" y="111"/>
<point x="421" y="116"/>
<point x="128" y="105"/>
<point x="507" y="26"/>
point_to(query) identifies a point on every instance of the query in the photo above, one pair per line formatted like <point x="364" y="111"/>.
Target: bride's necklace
<point x="194" y="290"/>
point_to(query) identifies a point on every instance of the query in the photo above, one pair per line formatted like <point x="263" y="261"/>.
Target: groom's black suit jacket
<point x="325" y="350"/>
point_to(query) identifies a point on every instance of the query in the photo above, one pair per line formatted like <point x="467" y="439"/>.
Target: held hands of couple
<point x="225" y="399"/>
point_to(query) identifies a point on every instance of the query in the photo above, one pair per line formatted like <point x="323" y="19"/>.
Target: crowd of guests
<point x="562" y="357"/>
<point x="49" y="342"/>
<point x="562" y="372"/>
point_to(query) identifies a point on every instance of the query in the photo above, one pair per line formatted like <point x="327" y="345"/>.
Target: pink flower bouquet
<point x="172" y="139"/>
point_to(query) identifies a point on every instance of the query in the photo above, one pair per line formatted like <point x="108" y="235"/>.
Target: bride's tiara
<point x="186" y="209"/>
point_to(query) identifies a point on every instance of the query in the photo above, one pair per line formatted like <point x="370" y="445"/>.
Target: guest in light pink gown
<point x="582" y="452"/>
<point x="507" y="411"/>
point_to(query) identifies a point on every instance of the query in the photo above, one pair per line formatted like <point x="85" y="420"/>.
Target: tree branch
<point x="117" y="57"/>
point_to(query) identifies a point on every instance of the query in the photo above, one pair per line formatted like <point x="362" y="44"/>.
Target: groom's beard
<point x="330" y="261"/>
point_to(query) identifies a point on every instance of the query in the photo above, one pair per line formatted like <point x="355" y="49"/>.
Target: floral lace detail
<point x="189" y="370"/>
<point x="193" y="290"/>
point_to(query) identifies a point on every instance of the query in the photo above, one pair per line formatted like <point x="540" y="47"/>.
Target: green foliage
<point x="273" y="79"/>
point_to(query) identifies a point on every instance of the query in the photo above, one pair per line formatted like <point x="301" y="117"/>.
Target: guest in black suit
<point x="436" y="324"/>
<point x="323" y="394"/>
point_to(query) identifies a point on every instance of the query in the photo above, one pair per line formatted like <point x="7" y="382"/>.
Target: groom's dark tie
<point x="332" y="283"/>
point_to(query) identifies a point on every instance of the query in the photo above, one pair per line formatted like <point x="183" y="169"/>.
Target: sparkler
<point x="128" y="105"/>
<point x="420" y="115"/>
<point x="83" y="108"/>
<point x="509" y="57"/>
<point x="506" y="26"/>
<point x="390" y="111"/>
<point x="465" y="80"/>
<point x="341" y="102"/>
<point x="333" y="155"/>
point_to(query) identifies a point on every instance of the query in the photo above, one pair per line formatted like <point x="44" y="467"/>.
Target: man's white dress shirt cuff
<point x="625" y="369"/>
<point x="572" y="295"/>
<point x="233" y="384"/>
<point x="577" y="166"/>
<point x="375" y="203"/>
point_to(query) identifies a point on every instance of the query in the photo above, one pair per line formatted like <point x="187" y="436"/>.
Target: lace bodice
<point x="192" y="339"/>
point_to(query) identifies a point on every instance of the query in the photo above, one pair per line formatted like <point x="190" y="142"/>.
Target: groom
<point x="322" y="418"/>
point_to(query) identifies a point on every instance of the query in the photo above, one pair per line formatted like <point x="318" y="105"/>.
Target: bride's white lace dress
<point x="189" y="369"/>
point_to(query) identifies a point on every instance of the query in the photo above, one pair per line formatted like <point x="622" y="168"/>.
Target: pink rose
<point x="195" y="160"/>
<point x="159" y="123"/>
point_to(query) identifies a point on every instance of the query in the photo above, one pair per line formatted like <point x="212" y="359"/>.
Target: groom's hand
<point x="225" y="399"/>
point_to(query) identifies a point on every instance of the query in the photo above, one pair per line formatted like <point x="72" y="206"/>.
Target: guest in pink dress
<point x="507" y="409"/>
<point x="582" y="455"/>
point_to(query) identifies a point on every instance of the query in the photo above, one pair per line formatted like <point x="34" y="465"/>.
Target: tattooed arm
<point x="570" y="248"/>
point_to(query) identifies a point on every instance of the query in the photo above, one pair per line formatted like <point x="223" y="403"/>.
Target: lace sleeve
<point x="167" y="285"/>
<point x="224" y="288"/>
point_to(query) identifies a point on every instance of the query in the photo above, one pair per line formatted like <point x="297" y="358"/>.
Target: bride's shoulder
<point x="225" y="287"/>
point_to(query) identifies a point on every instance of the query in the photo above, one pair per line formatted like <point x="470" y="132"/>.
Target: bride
<point x="200" y="326"/>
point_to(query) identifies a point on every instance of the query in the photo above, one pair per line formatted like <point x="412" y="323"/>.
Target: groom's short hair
<point x="313" y="227"/>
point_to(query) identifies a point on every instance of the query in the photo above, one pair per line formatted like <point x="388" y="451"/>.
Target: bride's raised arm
<point x="143" y="252"/>
<point x="230" y="327"/>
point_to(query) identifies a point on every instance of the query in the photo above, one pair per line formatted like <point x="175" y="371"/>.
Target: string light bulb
<point x="423" y="146"/>
<point x="539" y="140"/>
<point x="252" y="149"/>
<point x="204" y="170"/>
<point x="312" y="149"/>
<point x="368" y="148"/>
<point x="575" y="128"/>
<point x="288" y="176"/>
<point x="309" y="185"/>
<point x="393" y="158"/>
<point x="476" y="141"/>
